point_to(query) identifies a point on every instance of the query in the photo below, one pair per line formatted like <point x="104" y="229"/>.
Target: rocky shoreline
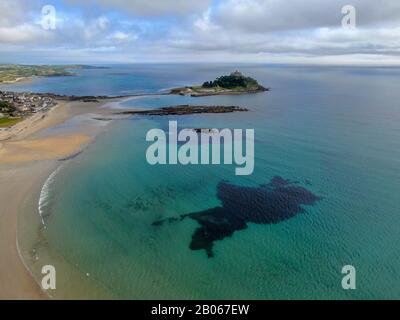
<point x="205" y="92"/>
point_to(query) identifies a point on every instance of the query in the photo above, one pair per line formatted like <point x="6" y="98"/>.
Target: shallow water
<point x="332" y="132"/>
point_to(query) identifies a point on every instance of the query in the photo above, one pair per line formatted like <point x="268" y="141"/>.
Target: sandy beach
<point x="27" y="157"/>
<point x="20" y="79"/>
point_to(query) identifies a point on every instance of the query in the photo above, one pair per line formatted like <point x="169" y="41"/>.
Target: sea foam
<point x="45" y="193"/>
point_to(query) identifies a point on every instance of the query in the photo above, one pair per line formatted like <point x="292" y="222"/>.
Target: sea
<point x="324" y="193"/>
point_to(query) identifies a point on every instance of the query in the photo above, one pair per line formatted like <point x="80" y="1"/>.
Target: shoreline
<point x="29" y="153"/>
<point x="18" y="80"/>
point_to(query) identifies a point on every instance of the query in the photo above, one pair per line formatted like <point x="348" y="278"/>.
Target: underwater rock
<point x="269" y="203"/>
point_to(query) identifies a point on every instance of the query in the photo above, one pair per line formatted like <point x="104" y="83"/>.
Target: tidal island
<point x="235" y="83"/>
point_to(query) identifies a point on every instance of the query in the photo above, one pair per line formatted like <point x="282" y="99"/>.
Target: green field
<point x="7" y="122"/>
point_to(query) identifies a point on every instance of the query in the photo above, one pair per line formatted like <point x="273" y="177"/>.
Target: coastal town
<point x="15" y="106"/>
<point x="26" y="101"/>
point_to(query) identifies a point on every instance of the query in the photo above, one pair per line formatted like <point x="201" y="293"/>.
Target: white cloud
<point x="24" y="34"/>
<point x="123" y="37"/>
<point x="96" y="27"/>
<point x="12" y="12"/>
<point x="256" y="29"/>
<point x="204" y="24"/>
<point x="276" y="15"/>
<point x="152" y="7"/>
<point x="226" y="30"/>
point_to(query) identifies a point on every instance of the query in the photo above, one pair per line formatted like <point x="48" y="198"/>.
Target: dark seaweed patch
<point x="269" y="203"/>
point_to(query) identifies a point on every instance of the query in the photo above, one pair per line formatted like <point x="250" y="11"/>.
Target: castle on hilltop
<point x="236" y="74"/>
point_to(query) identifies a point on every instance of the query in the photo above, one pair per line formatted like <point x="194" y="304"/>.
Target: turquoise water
<point x="333" y="132"/>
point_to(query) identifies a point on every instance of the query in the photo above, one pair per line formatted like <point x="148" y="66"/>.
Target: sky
<point x="247" y="31"/>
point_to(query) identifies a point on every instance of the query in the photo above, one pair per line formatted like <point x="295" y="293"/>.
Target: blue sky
<point x="267" y="31"/>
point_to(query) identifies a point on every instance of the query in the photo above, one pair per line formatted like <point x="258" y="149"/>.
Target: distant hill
<point x="10" y="73"/>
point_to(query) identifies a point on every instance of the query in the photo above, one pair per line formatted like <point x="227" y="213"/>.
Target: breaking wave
<point x="45" y="193"/>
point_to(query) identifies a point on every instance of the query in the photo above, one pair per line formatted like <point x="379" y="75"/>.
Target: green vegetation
<point x="9" y="122"/>
<point x="233" y="81"/>
<point x="15" y="72"/>
<point x="7" y="107"/>
<point x="6" y="110"/>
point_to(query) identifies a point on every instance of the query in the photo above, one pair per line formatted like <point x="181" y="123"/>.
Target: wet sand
<point x="26" y="160"/>
<point x="16" y="183"/>
<point x="41" y="149"/>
